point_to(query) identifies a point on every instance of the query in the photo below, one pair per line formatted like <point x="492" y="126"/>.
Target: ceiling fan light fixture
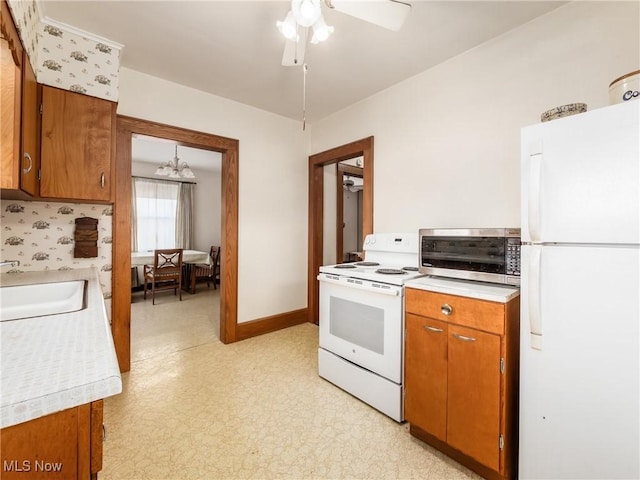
<point x="306" y="12"/>
<point x="321" y="31"/>
<point x="288" y="28"/>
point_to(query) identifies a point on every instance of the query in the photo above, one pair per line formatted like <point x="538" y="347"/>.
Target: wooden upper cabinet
<point x="77" y="146"/>
<point x="30" y="143"/>
<point x="11" y="57"/>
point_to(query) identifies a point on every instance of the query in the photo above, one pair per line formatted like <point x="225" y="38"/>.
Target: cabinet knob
<point x="27" y="157"/>
<point x="446" y="309"/>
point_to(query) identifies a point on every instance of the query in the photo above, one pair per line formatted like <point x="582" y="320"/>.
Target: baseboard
<point x="270" y="324"/>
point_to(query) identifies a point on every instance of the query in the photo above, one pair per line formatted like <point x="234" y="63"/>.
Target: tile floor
<point x="193" y="408"/>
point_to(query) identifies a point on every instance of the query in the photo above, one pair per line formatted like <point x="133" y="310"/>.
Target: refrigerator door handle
<point x="533" y="207"/>
<point x="535" y="319"/>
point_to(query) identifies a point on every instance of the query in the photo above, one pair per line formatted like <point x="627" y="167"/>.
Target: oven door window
<point x="362" y="325"/>
<point x="473" y="254"/>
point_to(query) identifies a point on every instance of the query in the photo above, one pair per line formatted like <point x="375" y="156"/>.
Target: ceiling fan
<point x="305" y="14"/>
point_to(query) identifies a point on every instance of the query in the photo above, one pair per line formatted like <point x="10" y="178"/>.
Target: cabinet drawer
<point x="469" y="312"/>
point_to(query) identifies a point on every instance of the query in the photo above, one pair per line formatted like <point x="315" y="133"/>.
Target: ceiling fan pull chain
<point x="304" y="96"/>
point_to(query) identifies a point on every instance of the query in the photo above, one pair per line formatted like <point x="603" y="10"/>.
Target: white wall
<point x="447" y="141"/>
<point x="272" y="260"/>
<point x="206" y="198"/>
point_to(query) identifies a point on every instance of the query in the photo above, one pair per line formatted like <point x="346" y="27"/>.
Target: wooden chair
<point x="165" y="274"/>
<point x="209" y="272"/>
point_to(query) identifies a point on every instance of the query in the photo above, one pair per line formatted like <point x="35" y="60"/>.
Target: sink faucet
<point x="12" y="263"/>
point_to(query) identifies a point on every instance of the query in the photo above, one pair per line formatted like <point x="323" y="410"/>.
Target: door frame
<point x="317" y="162"/>
<point x="126" y="128"/>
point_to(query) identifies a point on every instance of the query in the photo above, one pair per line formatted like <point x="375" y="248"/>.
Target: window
<point x="155" y="210"/>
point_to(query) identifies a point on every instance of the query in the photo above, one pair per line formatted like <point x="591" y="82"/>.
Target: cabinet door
<point x="97" y="436"/>
<point x="46" y="444"/>
<point x="76" y="146"/>
<point x="426" y="374"/>
<point x="473" y="416"/>
<point x="30" y="131"/>
<point x="10" y="95"/>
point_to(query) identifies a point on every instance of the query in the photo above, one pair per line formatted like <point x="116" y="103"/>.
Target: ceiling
<point x="233" y="49"/>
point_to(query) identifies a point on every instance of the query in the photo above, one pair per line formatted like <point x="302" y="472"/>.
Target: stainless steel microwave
<point x="483" y="254"/>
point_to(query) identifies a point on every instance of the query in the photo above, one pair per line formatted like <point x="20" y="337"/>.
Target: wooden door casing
<point x="426" y="374"/>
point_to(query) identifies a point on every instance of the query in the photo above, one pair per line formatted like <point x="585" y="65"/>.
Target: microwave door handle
<point x="533" y="202"/>
<point x="534" y="299"/>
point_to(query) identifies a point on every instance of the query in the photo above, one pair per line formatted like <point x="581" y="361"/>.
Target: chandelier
<point x="175" y="169"/>
<point x="305" y="13"/>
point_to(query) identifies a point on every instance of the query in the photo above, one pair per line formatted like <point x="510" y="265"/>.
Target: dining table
<point x="190" y="258"/>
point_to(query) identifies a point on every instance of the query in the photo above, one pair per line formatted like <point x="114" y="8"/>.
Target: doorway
<point x="127" y="127"/>
<point x="349" y="186"/>
<point x="360" y="148"/>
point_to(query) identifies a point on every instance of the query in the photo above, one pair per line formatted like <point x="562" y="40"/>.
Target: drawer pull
<point x="464" y="338"/>
<point x="27" y="169"/>
<point x="102" y="180"/>
<point x="446" y="309"/>
<point x="432" y="329"/>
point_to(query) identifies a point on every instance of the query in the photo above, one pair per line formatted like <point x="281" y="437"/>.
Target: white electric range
<point x="362" y="321"/>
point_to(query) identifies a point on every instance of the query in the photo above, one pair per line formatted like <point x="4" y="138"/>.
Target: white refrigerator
<point x="580" y="297"/>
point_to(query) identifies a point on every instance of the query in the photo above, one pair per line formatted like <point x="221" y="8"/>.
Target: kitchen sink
<point x="39" y="299"/>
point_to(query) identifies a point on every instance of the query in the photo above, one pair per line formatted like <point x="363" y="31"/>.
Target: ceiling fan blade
<point x="294" y="51"/>
<point x="389" y="14"/>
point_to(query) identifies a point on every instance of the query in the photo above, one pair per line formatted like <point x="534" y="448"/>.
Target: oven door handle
<point x="363" y="285"/>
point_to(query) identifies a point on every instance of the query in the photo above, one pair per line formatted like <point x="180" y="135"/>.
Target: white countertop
<point x="492" y="292"/>
<point x="51" y="363"/>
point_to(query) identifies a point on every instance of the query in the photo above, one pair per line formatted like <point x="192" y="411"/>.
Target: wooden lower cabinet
<point x="461" y="378"/>
<point x="425" y="402"/>
<point x="63" y="445"/>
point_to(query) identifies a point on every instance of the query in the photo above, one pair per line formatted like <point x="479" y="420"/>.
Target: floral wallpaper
<point x="75" y="62"/>
<point x="40" y="235"/>
<point x="65" y="57"/>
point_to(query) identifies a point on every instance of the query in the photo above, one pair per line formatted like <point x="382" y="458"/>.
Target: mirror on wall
<point x="343" y="211"/>
<point x="350" y="178"/>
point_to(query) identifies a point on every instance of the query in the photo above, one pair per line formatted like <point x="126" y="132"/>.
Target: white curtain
<point x="154" y="214"/>
<point x="184" y="220"/>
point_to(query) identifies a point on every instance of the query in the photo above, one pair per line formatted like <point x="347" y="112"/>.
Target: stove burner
<point x="344" y="265"/>
<point x="390" y="271"/>
<point x="410" y="269"/>
<point x="367" y="264"/>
